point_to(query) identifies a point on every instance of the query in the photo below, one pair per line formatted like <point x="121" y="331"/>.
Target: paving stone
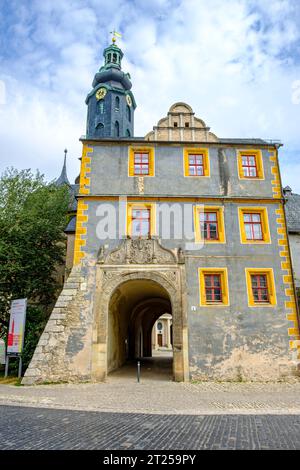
<point x="38" y="428"/>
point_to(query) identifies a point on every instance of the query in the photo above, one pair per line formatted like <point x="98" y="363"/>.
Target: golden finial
<point x="115" y="36"/>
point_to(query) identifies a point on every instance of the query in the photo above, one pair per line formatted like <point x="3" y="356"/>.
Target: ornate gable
<point x="181" y="125"/>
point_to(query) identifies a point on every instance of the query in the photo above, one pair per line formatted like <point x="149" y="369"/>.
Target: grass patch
<point x="10" y="381"/>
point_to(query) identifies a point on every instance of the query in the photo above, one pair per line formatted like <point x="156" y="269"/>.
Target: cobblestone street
<point x="154" y="414"/>
<point x="33" y="428"/>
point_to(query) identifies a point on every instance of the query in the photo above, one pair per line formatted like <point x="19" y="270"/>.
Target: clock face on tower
<point x="101" y="93"/>
<point x="128" y="99"/>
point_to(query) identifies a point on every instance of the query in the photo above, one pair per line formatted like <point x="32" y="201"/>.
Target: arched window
<point x="128" y="133"/>
<point x="101" y="107"/>
<point x="117" y="129"/>
<point x="117" y="104"/>
<point x="114" y="58"/>
<point x="128" y="113"/>
<point x="109" y="58"/>
<point x="100" y="129"/>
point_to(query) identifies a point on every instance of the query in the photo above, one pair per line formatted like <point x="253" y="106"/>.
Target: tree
<point x="33" y="215"/>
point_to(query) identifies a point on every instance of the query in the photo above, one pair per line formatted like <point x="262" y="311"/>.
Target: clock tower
<point x="111" y="104"/>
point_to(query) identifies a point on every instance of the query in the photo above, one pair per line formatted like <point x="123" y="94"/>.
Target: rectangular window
<point x="213" y="287"/>
<point x="209" y="225"/>
<point x="141" y="164"/>
<point x="260" y="288"/>
<point x="141" y="219"/>
<point x="141" y="161"/>
<point x="253" y="226"/>
<point x="196" y="165"/>
<point x="249" y="166"/>
<point x="196" y="162"/>
<point x="140" y="222"/>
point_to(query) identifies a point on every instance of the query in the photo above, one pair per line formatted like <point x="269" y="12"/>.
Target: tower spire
<point x="63" y="178"/>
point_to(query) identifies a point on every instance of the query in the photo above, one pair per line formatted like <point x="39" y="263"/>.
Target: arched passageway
<point x="134" y="307"/>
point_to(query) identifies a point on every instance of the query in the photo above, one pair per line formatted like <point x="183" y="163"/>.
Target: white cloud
<point x="234" y="62"/>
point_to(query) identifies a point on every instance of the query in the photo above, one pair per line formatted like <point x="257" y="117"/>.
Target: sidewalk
<point x="157" y="396"/>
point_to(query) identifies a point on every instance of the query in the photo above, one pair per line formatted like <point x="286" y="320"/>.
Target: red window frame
<point x="213" y="285"/>
<point x="206" y="224"/>
<point x="248" y="166"/>
<point x="140" y="165"/>
<point x="140" y="217"/>
<point x="261" y="289"/>
<point x="196" y="165"/>
<point x="252" y="223"/>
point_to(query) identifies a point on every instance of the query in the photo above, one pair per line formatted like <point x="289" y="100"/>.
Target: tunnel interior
<point x="133" y="309"/>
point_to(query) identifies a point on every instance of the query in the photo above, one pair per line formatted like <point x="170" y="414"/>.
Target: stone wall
<point x="63" y="353"/>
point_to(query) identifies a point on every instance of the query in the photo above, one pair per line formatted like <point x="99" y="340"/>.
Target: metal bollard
<point x="20" y="368"/>
<point x="138" y="371"/>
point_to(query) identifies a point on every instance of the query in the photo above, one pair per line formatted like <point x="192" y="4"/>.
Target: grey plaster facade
<point x="109" y="167"/>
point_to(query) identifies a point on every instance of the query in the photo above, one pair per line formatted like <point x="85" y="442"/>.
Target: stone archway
<point x="140" y="261"/>
<point x="134" y="307"/>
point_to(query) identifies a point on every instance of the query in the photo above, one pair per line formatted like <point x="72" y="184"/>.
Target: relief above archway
<point x="140" y="251"/>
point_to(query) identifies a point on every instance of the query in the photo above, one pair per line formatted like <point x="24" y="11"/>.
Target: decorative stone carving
<point x="141" y="185"/>
<point x="140" y="251"/>
<point x="100" y="256"/>
<point x="180" y="256"/>
<point x="170" y="276"/>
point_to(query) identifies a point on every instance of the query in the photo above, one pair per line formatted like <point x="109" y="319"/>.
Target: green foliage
<point x="33" y="215"/>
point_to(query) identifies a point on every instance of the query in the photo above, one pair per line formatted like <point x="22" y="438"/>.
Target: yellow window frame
<point x="259" y="164"/>
<point x="224" y="285"/>
<point x="220" y="218"/>
<point x="206" y="163"/>
<point x="271" y="287"/>
<point x="132" y="151"/>
<point x="264" y="224"/>
<point x="141" y="205"/>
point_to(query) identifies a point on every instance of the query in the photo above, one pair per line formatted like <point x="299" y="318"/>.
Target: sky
<point x="236" y="62"/>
